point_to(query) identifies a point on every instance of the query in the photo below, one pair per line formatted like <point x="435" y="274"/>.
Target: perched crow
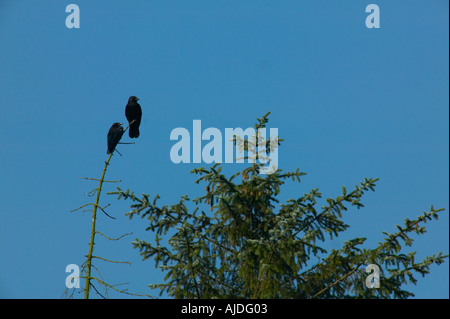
<point x="114" y="135"/>
<point x="133" y="111"/>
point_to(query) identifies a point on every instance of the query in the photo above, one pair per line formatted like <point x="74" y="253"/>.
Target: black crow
<point x="114" y="135"/>
<point x="133" y="111"/>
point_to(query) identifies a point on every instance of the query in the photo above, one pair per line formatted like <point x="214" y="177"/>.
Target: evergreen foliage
<point x="238" y="241"/>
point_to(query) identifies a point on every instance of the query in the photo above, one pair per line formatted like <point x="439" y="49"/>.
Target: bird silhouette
<point x="133" y="111"/>
<point x="114" y="135"/>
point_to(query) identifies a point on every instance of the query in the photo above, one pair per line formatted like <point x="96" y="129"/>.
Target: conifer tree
<point x="236" y="240"/>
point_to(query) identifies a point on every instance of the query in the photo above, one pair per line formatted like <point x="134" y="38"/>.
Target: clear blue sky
<point x="350" y="102"/>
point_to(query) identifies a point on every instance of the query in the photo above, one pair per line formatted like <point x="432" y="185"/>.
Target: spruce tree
<point x="237" y="240"/>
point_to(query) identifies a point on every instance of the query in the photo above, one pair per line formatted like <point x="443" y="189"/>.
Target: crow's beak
<point x="137" y="99"/>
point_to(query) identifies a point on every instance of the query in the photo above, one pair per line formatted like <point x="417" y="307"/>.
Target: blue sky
<point x="350" y="102"/>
